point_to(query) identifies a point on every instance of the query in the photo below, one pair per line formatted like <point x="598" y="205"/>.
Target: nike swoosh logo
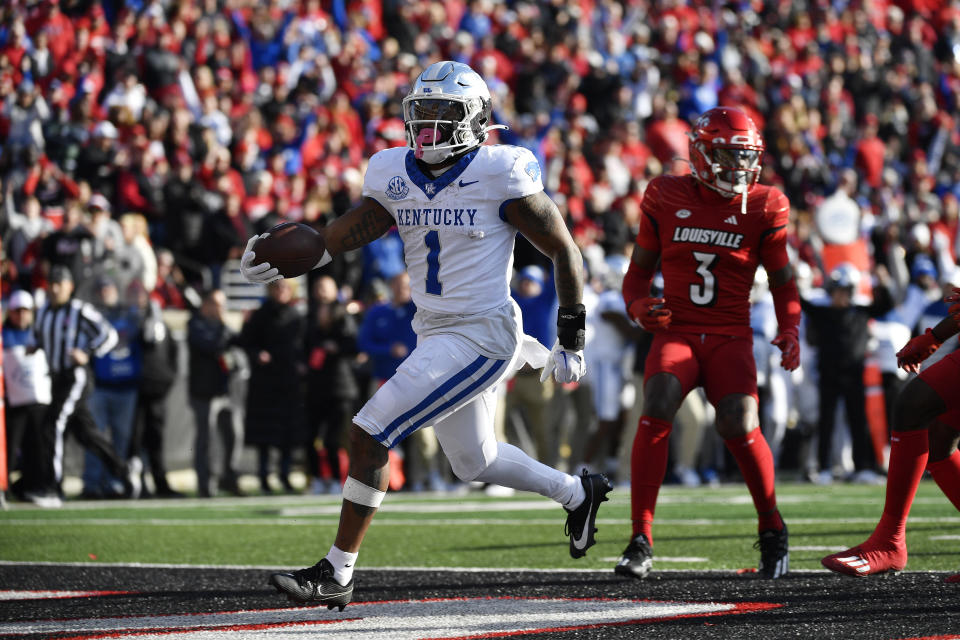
<point x="581" y="542"/>
<point x="467" y="184"/>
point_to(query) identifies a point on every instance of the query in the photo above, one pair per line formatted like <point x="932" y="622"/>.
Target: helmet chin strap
<point x="742" y="190"/>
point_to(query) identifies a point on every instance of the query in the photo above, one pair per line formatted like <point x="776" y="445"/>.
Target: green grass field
<point x="697" y="529"/>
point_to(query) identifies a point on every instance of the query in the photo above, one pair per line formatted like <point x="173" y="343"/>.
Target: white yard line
<point x="451" y="501"/>
<point x="445" y="522"/>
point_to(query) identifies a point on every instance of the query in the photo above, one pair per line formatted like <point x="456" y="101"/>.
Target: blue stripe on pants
<point x="438" y="393"/>
<point x="452" y="402"/>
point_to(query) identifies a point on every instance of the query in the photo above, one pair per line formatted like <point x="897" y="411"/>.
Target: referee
<point x="70" y="331"/>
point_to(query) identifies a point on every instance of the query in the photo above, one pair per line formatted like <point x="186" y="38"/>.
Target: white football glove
<point x="261" y="273"/>
<point x="565" y="364"/>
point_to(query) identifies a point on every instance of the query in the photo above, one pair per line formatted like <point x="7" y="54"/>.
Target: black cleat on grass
<point x="636" y="560"/>
<point x="314" y="585"/>
<point x="582" y="520"/>
<point x="774" y="553"/>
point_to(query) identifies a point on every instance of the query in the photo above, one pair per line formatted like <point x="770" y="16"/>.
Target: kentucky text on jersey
<point x="436" y="217"/>
<point x="708" y="236"/>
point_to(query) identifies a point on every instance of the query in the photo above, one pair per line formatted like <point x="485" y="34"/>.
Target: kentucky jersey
<point x="457" y="246"/>
<point x="709" y="251"/>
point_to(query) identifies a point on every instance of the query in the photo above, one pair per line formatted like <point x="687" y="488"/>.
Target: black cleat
<point x="774" y="553"/>
<point x="637" y="559"/>
<point x="580" y="522"/>
<point x="314" y="585"/>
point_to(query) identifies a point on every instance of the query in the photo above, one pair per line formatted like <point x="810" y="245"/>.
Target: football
<point x="291" y="247"/>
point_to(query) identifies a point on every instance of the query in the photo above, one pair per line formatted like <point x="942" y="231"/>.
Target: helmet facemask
<point x="729" y="170"/>
<point x="442" y="127"/>
<point x="736" y="169"/>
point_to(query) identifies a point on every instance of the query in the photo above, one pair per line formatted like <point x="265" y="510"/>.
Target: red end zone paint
<point x="434" y="618"/>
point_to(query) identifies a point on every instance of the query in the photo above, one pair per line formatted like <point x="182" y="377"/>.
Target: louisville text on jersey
<point x="436" y="217"/>
<point x="712" y="237"/>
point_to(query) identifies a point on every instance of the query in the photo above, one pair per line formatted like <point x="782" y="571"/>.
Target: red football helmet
<point x="725" y="150"/>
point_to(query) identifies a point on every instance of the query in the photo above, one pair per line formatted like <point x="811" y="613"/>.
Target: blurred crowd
<point x="143" y="141"/>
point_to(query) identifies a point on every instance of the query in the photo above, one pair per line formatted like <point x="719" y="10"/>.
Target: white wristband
<point x="356" y="491"/>
<point x="325" y="259"/>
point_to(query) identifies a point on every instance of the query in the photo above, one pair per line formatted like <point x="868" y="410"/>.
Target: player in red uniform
<point x="709" y="231"/>
<point x="926" y="428"/>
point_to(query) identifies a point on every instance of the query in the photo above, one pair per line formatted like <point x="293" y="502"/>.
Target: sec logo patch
<point x="397" y="188"/>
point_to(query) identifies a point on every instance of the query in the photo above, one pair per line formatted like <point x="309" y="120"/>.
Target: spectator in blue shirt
<point x="535" y="294"/>
<point x="116" y="381"/>
<point x="537" y="298"/>
<point x="386" y="334"/>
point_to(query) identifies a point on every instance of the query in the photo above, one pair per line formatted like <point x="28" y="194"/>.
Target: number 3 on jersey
<point x="704" y="294"/>
<point x="432" y="241"/>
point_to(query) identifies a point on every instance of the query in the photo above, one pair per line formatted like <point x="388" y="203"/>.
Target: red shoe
<point x="861" y="562"/>
<point x="953" y="579"/>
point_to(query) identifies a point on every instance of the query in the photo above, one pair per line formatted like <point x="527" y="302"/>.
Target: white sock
<point x="515" y="469"/>
<point x="343" y="563"/>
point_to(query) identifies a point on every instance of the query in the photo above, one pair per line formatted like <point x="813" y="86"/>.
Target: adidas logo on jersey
<point x="732" y="219"/>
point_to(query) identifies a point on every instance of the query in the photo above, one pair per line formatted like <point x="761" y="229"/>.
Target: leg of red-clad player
<point x="944" y="462"/>
<point x="737" y="425"/>
<point x="921" y="401"/>
<point x="671" y="371"/>
<point x="730" y="380"/>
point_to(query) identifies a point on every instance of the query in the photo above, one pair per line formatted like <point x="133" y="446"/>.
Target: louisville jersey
<point x="456" y="243"/>
<point x="709" y="251"/>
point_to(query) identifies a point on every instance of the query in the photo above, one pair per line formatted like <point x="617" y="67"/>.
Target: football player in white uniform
<point x="458" y="206"/>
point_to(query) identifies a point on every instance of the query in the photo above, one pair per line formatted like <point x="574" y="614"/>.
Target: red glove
<point x="954" y="309"/>
<point x="650" y="313"/>
<point x="917" y="350"/>
<point x="789" y="347"/>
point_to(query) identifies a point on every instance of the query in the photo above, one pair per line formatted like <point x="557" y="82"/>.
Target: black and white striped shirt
<point x="75" y="325"/>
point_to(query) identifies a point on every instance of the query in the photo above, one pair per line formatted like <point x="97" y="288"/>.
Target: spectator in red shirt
<point x="871" y="152"/>
<point x="170" y="282"/>
<point x="667" y="137"/>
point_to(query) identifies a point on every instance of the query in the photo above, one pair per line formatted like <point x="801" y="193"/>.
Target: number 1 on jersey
<point x="432" y="240"/>
<point x="704" y="295"/>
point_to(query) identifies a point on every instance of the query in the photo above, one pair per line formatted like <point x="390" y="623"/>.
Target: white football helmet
<point x="447" y="112"/>
<point x="616" y="269"/>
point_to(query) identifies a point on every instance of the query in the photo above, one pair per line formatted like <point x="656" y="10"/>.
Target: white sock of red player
<point x="343" y="563"/>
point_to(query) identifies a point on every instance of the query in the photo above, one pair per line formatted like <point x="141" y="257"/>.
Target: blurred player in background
<point x="709" y="232"/>
<point x="926" y="429"/>
<point x="458" y="206"/>
<point x="610" y="362"/>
